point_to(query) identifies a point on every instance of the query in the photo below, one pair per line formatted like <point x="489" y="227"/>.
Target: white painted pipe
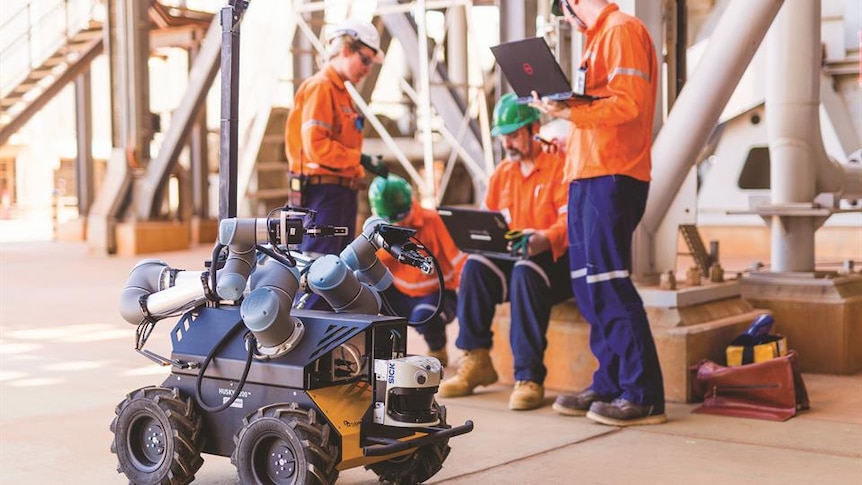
<point x="696" y="111"/>
<point x="792" y="104"/>
<point x="798" y="161"/>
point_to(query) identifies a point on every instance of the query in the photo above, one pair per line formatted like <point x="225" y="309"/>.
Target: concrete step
<point x="134" y="238"/>
<point x="819" y="313"/>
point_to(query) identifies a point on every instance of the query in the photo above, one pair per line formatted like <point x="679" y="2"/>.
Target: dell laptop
<point x="529" y="65"/>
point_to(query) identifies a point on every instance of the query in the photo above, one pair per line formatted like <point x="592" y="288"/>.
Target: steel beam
<point x="201" y="77"/>
<point x="128" y="31"/>
<point x="84" y="182"/>
<point x="444" y="98"/>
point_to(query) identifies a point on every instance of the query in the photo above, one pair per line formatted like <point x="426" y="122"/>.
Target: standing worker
<point x="415" y="294"/>
<point x="608" y="165"/>
<point x="323" y="135"/>
<point x="528" y="187"/>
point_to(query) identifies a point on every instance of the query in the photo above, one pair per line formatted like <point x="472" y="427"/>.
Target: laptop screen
<point x="529" y="65"/>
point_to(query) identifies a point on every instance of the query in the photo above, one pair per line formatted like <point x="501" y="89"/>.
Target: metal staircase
<point x="42" y="82"/>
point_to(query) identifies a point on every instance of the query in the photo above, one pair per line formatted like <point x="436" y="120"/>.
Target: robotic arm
<point x="350" y="283"/>
<point x="346" y="292"/>
<point x="360" y="256"/>
<point x="154" y="291"/>
<point x="396" y="240"/>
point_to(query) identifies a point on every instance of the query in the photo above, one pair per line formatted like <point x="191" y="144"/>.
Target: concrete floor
<point x="67" y="359"/>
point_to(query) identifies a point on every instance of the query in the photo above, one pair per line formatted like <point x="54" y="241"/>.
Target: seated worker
<point x="527" y="186"/>
<point x="414" y="294"/>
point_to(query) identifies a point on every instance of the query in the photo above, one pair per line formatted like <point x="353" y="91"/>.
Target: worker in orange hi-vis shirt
<point x="414" y="294"/>
<point x="323" y="135"/>
<point x="608" y="169"/>
<point x="527" y="186"/>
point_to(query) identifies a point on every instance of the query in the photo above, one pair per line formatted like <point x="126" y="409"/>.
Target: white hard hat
<point x="361" y="30"/>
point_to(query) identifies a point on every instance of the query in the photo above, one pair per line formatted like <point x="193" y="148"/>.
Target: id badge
<point x="580" y="82"/>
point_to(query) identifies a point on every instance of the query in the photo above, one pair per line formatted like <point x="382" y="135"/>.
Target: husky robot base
<point x="292" y="396"/>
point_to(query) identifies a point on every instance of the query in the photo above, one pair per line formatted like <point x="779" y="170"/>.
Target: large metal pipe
<point x="800" y="168"/>
<point x="793" y="129"/>
<point x="792" y="106"/>
<point x="696" y="112"/>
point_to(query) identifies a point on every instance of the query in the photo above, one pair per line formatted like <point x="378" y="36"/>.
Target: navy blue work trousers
<point x="603" y="214"/>
<point x="532" y="286"/>
<point x="419" y="308"/>
<point x="336" y="206"/>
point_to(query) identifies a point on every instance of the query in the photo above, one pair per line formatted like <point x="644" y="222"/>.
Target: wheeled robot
<point x="293" y="396"/>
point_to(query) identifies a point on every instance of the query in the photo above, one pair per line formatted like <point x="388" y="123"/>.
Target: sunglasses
<point x="557" y="8"/>
<point x="366" y="61"/>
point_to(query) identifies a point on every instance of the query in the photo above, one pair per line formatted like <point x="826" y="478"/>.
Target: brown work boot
<point x="622" y="412"/>
<point x="441" y="355"/>
<point x="475" y="369"/>
<point x="578" y="404"/>
<point x="526" y="395"/>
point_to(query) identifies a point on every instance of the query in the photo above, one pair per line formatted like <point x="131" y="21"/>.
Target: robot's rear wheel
<point x="282" y="444"/>
<point x="156" y="435"/>
<point x="418" y="466"/>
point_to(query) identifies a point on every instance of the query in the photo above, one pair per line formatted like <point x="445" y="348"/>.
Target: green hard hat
<point x="510" y="116"/>
<point x="390" y="197"/>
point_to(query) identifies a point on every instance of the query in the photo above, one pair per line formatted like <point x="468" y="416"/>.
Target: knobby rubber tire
<point x="157" y="437"/>
<point x="416" y="467"/>
<point x="283" y="444"/>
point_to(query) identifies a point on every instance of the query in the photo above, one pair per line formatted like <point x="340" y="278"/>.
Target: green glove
<point x="374" y="164"/>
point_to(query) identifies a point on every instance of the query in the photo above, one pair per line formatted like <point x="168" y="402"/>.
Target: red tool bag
<point x="772" y="390"/>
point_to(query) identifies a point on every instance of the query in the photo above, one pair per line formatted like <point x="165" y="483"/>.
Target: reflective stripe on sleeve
<point x="312" y="123"/>
<point x="628" y="72"/>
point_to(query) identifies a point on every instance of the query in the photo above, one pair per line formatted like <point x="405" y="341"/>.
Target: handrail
<point x="34" y="32"/>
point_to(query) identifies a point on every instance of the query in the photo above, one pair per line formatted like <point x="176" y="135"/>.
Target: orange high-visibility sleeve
<point x="321" y="133"/>
<point x="613" y="135"/>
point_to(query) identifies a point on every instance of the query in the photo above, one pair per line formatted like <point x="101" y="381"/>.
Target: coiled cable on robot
<point x="251" y="344"/>
<point x="217" y="250"/>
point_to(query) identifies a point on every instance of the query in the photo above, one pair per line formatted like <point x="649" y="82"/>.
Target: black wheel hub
<point x="147" y="442"/>
<point x="275" y="460"/>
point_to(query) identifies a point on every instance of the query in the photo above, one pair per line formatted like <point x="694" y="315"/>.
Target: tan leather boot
<point x="526" y="395"/>
<point x="475" y="369"/>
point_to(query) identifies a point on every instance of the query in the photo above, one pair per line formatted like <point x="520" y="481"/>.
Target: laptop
<point x="529" y="65"/>
<point x="478" y="231"/>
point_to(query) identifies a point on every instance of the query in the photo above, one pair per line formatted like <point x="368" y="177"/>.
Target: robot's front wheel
<point x="416" y="467"/>
<point x="283" y="444"/>
<point x="156" y="437"/>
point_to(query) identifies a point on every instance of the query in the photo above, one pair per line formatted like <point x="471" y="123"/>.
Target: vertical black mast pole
<point x="229" y="134"/>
